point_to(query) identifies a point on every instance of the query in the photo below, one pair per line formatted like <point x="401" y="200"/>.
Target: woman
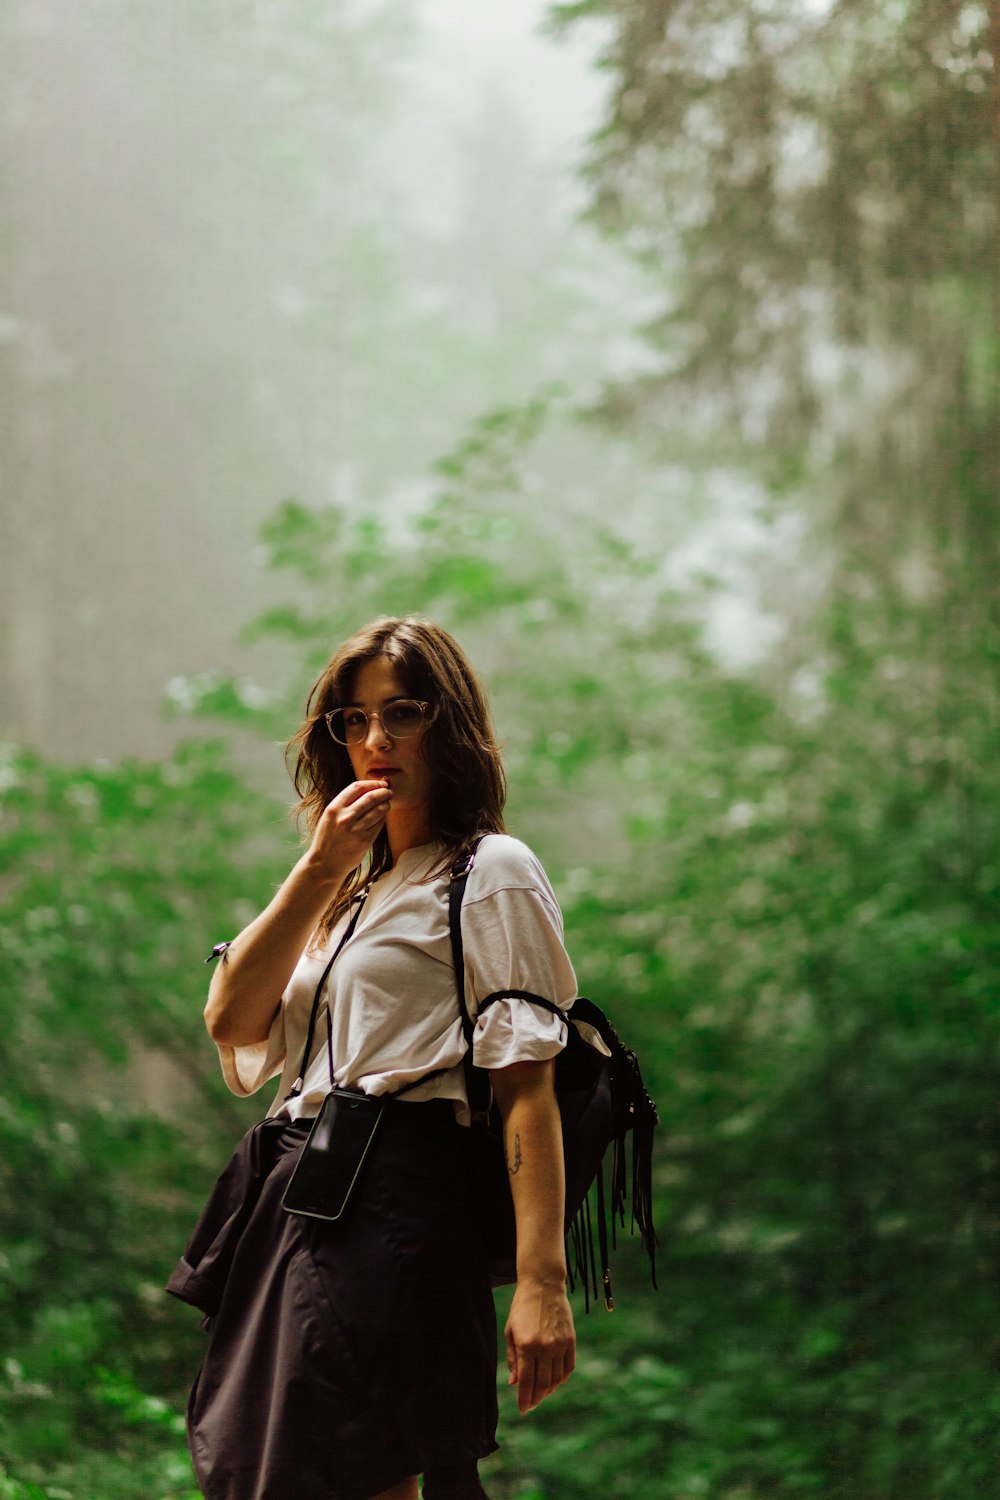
<point x="345" y="1359"/>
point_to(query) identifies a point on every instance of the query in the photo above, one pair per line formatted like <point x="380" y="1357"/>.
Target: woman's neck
<point x="407" y="828"/>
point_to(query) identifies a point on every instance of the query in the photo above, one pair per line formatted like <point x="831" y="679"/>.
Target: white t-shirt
<point x="391" y="994"/>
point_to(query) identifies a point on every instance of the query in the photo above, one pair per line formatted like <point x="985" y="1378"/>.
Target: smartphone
<point x="333" y="1155"/>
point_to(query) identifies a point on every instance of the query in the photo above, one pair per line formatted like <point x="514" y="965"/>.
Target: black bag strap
<point x="548" y="1005"/>
<point x="477" y="1082"/>
<point x="296" y="1087"/>
<point x="634" y="1109"/>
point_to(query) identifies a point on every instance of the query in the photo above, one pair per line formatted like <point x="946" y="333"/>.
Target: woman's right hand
<point x="347" y="828"/>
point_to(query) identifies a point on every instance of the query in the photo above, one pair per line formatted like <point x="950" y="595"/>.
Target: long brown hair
<point x="468" y="786"/>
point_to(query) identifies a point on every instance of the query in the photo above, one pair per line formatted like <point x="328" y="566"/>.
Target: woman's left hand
<point x="541" y="1341"/>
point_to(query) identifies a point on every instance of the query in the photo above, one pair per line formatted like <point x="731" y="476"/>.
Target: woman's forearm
<point x="247" y="986"/>
<point x="251" y="978"/>
<point x="533" y="1148"/>
<point x="539" y="1334"/>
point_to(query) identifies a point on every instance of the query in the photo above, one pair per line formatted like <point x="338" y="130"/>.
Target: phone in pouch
<point x="332" y="1157"/>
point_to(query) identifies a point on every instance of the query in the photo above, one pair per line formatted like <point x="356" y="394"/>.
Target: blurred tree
<point x="792" y="910"/>
<point x="782" y="884"/>
<point x="794" y="928"/>
<point x="815" y="187"/>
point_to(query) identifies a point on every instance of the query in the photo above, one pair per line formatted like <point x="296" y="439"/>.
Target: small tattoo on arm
<point x="513" y="1167"/>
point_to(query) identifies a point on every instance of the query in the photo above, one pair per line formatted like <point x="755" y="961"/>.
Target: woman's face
<point x="379" y="756"/>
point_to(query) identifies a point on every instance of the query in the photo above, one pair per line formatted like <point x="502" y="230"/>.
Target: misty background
<point x="252" y="256"/>
<point x="652" y="349"/>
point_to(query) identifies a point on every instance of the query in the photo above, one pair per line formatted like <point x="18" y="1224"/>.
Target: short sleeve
<point x="247" y="1069"/>
<point x="513" y="939"/>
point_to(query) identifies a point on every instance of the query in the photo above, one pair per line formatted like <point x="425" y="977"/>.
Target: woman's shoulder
<point x="506" y="863"/>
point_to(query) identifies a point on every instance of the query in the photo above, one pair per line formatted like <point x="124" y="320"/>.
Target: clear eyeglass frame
<point x="349" y="726"/>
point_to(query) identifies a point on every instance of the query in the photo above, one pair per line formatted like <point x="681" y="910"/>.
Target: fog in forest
<point x="653" y="349"/>
<point x="245" y="262"/>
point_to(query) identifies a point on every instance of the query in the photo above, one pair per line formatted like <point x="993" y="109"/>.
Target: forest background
<point x="661" y="365"/>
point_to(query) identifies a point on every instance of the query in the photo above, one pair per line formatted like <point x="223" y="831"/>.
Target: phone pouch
<point x="333" y="1155"/>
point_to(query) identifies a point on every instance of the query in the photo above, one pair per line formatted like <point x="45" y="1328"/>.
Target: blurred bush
<point x="785" y="903"/>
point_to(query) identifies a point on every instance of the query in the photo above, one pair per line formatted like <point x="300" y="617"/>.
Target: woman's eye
<point x="404" y="715"/>
<point x="353" y="718"/>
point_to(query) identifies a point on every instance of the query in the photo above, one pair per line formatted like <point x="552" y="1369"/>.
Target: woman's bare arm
<point x="541" y="1341"/>
<point x="247" y="985"/>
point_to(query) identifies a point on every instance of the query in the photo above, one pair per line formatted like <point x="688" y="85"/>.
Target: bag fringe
<point x="635" y="1113"/>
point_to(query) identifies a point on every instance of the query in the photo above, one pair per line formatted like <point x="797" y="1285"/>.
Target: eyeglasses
<point x="349" y="726"/>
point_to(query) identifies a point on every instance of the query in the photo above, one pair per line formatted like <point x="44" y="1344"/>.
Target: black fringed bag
<point x="601" y="1099"/>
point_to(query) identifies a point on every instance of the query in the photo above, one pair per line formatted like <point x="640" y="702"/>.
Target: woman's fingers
<point x="357" y="802"/>
<point x="349" y="824"/>
<point x="360" y="800"/>
<point x="537" y="1374"/>
<point x="512" y="1369"/>
<point x="541" y="1383"/>
<point x="356" y="790"/>
<point x="541" y="1343"/>
<point x="538" y="1378"/>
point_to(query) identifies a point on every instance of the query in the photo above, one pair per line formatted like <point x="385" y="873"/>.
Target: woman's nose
<point x="377" y="732"/>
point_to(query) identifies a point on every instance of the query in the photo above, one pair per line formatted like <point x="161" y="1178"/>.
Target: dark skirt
<point x="342" y="1356"/>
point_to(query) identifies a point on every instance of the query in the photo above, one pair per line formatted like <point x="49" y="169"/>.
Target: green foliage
<point x="785" y="906"/>
<point x="812" y="185"/>
<point x="784" y="899"/>
<point x="118" y="879"/>
<point x="782" y="886"/>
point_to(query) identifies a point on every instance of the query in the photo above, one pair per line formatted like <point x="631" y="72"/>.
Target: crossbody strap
<point x="477" y="1081"/>
<point x="296" y="1087"/>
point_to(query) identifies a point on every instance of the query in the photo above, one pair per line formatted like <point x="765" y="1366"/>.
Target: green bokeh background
<point x="778" y="868"/>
